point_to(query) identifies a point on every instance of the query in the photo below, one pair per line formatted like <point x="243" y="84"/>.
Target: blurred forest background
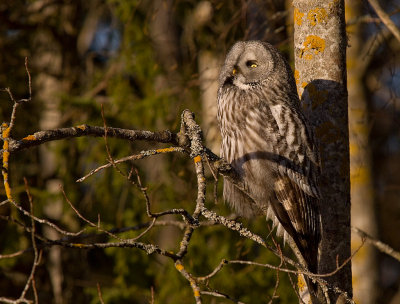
<point x="145" y="62"/>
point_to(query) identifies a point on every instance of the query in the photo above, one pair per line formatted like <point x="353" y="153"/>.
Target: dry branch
<point x="378" y="244"/>
<point x="385" y="18"/>
<point x="42" y="137"/>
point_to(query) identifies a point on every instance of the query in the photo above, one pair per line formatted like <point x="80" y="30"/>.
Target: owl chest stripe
<point x="259" y="131"/>
<point x="277" y="112"/>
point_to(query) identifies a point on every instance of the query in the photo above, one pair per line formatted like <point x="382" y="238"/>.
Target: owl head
<point x="249" y="63"/>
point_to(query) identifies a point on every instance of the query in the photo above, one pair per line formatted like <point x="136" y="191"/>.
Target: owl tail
<point x="314" y="291"/>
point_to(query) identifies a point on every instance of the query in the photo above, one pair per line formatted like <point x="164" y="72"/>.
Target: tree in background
<point x="364" y="268"/>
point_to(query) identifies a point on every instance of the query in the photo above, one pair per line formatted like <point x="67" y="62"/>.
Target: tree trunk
<point x="364" y="264"/>
<point x="320" y="60"/>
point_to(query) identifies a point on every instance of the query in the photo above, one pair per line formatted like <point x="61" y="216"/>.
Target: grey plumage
<point x="266" y="138"/>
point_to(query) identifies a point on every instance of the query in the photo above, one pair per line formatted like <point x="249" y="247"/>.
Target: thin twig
<point x="152" y="295"/>
<point x="141" y="155"/>
<point x="47" y="242"/>
<point x="46" y="222"/>
<point x="99" y="293"/>
<point x="18" y="102"/>
<point x="148" y="248"/>
<point x="11" y="301"/>
<point x="97" y="226"/>
<point x="13" y="255"/>
<point x="146" y="230"/>
<point x="186" y="215"/>
<point x="37" y="256"/>
<point x="385" y="18"/>
<point x="214" y="272"/>
<point x="378" y="244"/>
<point x="218" y="294"/>
<point x="274" y="296"/>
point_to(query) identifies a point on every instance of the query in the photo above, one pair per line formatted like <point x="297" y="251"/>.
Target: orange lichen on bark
<point x="81" y="127"/>
<point x="196" y="291"/>
<point x="197" y="159"/>
<point x="78" y="245"/>
<point x="298" y="16"/>
<point x="313" y="45"/>
<point x="29" y="138"/>
<point x="179" y="266"/>
<point x="7" y="187"/>
<point x="316" y="15"/>
<point x="301" y="284"/>
<point x="165" y="150"/>
<point x="6" y="131"/>
<point x="6" y="155"/>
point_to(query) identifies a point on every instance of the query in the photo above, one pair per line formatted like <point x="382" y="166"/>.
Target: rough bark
<point x="320" y="60"/>
<point x="364" y="264"/>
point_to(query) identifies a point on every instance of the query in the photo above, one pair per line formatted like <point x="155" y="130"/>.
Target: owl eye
<point x="251" y="64"/>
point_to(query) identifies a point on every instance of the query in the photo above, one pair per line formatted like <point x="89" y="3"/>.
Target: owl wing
<point x="299" y="214"/>
<point x="295" y="202"/>
<point x="300" y="160"/>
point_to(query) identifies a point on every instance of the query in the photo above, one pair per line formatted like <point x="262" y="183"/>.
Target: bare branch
<point x="97" y="226"/>
<point x="128" y="243"/>
<point x="218" y="294"/>
<point x="46" y="222"/>
<point x="186" y="215"/>
<point x="146" y="230"/>
<point x="192" y="281"/>
<point x="73" y="239"/>
<point x="99" y="294"/>
<point x="42" y="137"/>
<point x="152" y="295"/>
<point x="371" y="47"/>
<point x="141" y="155"/>
<point x="37" y="256"/>
<point x="13" y="255"/>
<point x="18" y="102"/>
<point x="18" y="301"/>
<point x="214" y="272"/>
<point x="385" y="18"/>
<point x="378" y="244"/>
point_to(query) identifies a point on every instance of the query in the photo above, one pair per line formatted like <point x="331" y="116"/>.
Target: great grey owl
<point x="267" y="140"/>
